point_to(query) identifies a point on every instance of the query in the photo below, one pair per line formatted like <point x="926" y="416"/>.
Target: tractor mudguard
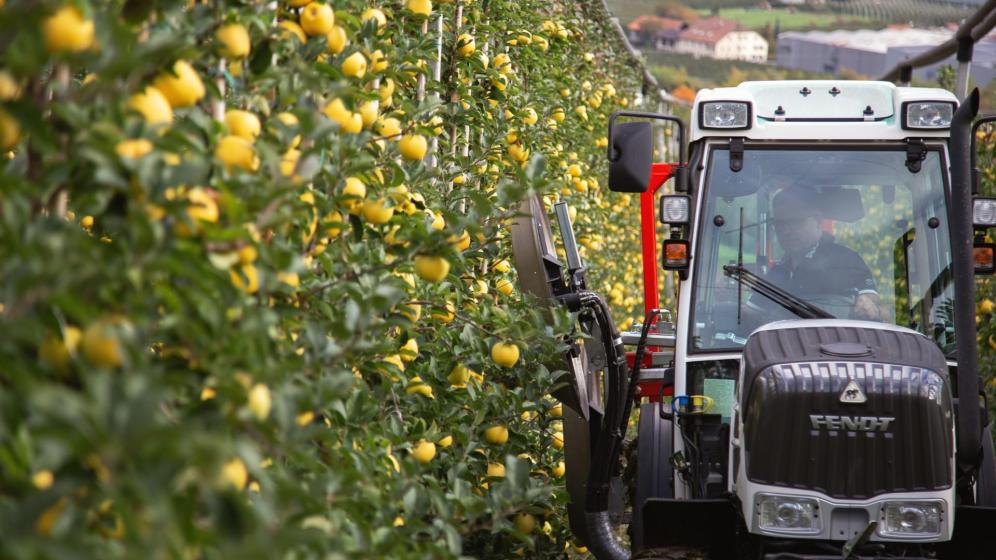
<point x="974" y="538"/>
<point x="985" y="486"/>
<point x="655" y="475"/>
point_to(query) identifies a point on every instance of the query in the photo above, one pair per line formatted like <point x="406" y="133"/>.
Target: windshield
<point x="846" y="233"/>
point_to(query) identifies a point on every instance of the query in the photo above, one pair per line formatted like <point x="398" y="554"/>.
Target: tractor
<point x="816" y="394"/>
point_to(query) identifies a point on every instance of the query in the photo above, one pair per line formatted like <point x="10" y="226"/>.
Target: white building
<point x="722" y="39"/>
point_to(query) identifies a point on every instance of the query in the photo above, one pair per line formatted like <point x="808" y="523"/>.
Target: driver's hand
<point x="868" y="307"/>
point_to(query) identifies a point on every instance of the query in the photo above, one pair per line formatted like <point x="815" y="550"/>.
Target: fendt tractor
<point x="817" y="393"/>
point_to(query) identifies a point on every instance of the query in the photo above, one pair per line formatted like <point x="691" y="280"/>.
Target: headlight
<point x="984" y="212"/>
<point x="788" y="514"/>
<point x="725" y="114"/>
<point x="911" y="519"/>
<point x="929" y="115"/>
<point x="675" y="208"/>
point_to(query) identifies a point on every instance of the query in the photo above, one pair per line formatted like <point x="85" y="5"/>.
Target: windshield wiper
<point x="789" y="301"/>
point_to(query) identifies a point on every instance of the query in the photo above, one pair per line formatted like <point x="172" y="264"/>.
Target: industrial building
<point x="871" y="53"/>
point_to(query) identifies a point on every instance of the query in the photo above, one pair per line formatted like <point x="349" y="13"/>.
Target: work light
<point x="984" y="212"/>
<point x="911" y="519"/>
<point x="730" y="115"/>
<point x="928" y="115"/>
<point x="675" y="208"/>
<point x="788" y="514"/>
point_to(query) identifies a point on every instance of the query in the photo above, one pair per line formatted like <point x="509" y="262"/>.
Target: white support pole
<point x="437" y="76"/>
<point x="218" y="105"/>
<point x="457" y="24"/>
<point x="272" y="6"/>
<point x="420" y="88"/>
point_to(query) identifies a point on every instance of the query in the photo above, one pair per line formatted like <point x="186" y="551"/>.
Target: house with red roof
<point x="654" y="31"/>
<point x="721" y="39"/>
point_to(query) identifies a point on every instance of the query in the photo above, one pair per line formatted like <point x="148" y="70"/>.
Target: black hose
<point x="600" y="473"/>
<point x="630" y="391"/>
<point x="601" y="539"/>
<point x="634" y="376"/>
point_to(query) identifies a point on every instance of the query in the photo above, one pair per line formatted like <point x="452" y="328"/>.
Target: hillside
<point x="846" y="13"/>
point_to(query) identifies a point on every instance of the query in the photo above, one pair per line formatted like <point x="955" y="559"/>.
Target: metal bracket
<point x="575" y="266"/>
<point x="916" y="152"/>
<point x="736" y="154"/>
<point x="857" y="541"/>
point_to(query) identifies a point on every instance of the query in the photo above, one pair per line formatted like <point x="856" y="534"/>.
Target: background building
<point x="654" y="32"/>
<point x="871" y="53"/>
<point x="721" y="39"/>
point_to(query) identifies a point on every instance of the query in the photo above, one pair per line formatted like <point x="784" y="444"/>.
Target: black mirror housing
<point x="631" y="156"/>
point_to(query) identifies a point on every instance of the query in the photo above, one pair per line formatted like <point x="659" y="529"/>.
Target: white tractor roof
<point x="821" y="110"/>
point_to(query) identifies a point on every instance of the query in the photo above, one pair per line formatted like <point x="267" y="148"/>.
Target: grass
<point x="853" y="13"/>
<point x="788" y="20"/>
<point x="628" y="10"/>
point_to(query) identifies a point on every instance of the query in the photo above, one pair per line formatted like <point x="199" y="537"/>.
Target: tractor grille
<point x="799" y="434"/>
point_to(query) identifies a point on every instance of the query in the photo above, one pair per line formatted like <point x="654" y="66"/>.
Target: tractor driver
<point x="815" y="267"/>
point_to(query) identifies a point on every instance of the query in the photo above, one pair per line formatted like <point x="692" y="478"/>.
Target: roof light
<point x="929" y="115"/>
<point x="725" y="115"/>
<point x="675" y="209"/>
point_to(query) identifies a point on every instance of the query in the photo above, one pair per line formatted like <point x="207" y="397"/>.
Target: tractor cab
<point x="803" y="402"/>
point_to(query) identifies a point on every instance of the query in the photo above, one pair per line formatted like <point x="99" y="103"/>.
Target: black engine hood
<point x="800" y="431"/>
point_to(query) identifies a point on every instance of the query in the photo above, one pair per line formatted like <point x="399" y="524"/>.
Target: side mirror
<point x="631" y="155"/>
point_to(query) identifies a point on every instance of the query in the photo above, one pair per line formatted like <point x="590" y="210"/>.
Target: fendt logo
<point x="851" y="423"/>
<point x="852" y="394"/>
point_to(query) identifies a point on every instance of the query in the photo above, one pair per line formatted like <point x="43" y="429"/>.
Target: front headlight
<point x="731" y="115"/>
<point x="911" y="519"/>
<point x="788" y="514"/>
<point x="928" y="115"/>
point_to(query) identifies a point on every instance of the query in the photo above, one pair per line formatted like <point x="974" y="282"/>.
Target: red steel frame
<point x="659" y="174"/>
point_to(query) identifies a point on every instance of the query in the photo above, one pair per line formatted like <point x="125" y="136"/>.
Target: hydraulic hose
<point x="629" y="393"/>
<point x="602" y="540"/>
<point x="648" y="321"/>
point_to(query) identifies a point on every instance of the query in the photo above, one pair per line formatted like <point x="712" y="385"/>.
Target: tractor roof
<point x="821" y="110"/>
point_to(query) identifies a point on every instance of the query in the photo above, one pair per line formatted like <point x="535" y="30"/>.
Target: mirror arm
<point x="681" y="131"/>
